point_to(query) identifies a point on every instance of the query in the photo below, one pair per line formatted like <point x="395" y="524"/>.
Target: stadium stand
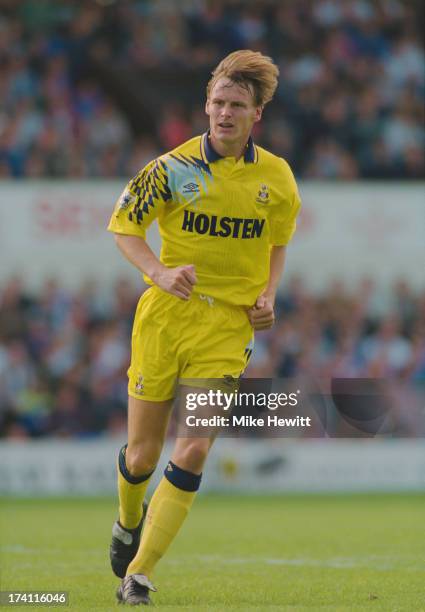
<point x="97" y="89"/>
<point x="64" y="354"/>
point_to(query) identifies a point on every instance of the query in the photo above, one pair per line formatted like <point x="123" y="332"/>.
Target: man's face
<point x="232" y="112"/>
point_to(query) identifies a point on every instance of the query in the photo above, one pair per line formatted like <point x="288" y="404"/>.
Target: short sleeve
<point x="283" y="219"/>
<point x="141" y="201"/>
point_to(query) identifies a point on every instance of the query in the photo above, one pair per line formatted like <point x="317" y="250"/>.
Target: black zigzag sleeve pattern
<point x="150" y="188"/>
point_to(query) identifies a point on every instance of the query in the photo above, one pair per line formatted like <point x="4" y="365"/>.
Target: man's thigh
<point x="174" y="340"/>
<point x="147" y="421"/>
<point x="222" y="345"/>
<point x="153" y="370"/>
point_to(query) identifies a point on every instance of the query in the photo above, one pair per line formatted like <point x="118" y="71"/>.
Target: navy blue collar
<point x="212" y="155"/>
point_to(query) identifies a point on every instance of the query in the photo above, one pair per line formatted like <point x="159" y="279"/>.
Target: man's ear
<point x="207" y="107"/>
<point x="258" y="113"/>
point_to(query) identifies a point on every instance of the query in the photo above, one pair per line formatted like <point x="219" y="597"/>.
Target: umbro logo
<point x="190" y="188"/>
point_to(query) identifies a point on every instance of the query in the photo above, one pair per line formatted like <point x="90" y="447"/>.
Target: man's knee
<point x="192" y="455"/>
<point x="142" y="459"/>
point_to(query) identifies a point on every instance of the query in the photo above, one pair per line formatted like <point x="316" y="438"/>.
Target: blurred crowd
<point x="349" y="103"/>
<point x="64" y="354"/>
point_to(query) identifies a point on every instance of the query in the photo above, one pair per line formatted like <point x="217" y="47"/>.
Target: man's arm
<point x="261" y="314"/>
<point x="177" y="281"/>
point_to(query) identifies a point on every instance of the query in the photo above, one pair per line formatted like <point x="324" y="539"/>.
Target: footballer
<point x="226" y="209"/>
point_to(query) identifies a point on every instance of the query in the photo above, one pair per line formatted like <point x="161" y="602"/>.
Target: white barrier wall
<point x="346" y="230"/>
<point x="240" y="466"/>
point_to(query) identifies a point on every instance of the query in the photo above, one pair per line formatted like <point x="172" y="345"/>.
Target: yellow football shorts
<point x="173" y="339"/>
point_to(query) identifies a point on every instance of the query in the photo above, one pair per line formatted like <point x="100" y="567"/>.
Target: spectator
<point x="75" y="77"/>
<point x="64" y="355"/>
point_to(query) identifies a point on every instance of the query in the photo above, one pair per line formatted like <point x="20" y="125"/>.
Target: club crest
<point x="263" y="196"/>
<point x="139" y="386"/>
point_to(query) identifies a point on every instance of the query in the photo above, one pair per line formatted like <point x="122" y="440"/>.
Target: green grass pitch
<point x="295" y="552"/>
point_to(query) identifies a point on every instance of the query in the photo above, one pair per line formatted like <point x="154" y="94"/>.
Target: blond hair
<point x="248" y="68"/>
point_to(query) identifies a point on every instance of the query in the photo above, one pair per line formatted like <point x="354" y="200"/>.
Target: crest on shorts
<point x="139" y="386"/>
<point x="263" y="195"/>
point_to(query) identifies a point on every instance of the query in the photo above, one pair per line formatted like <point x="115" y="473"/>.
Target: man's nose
<point x="226" y="111"/>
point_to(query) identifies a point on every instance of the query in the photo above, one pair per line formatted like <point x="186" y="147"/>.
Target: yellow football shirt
<point x="219" y="214"/>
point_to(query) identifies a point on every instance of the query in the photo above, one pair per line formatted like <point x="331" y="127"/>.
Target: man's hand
<point x="177" y="281"/>
<point x="261" y="315"/>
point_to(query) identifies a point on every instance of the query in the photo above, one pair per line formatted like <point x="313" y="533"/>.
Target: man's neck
<point x="236" y="150"/>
